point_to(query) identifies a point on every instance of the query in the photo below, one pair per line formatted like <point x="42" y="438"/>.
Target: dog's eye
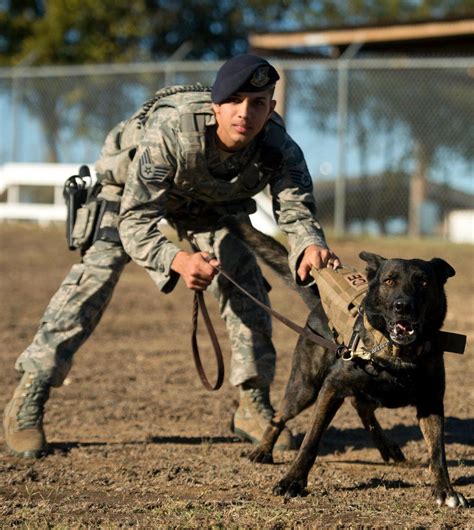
<point x="424" y="284"/>
<point x="389" y="282"/>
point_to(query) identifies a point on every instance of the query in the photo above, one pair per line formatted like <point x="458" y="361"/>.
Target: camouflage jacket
<point x="175" y="171"/>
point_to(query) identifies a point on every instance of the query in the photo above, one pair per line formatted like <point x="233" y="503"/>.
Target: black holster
<point x="83" y="209"/>
<point x="75" y="193"/>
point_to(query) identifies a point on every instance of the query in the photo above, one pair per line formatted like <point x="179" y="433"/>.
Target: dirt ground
<point x="136" y="441"/>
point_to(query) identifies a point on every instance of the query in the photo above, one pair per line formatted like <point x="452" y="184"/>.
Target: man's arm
<point x="295" y="210"/>
<point x="145" y="203"/>
<point x="317" y="257"/>
<point x="145" y="199"/>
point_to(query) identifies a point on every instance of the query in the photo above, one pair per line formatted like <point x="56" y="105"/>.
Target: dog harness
<point x="342" y="293"/>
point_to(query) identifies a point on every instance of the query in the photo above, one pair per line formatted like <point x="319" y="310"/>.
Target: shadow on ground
<point x="339" y="440"/>
<point x="66" y="447"/>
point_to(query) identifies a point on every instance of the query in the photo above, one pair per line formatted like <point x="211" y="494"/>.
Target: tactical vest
<point x="192" y="179"/>
<point x="342" y="292"/>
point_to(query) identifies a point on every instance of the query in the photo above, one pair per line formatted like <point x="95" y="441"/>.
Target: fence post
<point x="342" y="107"/>
<point x="417" y="191"/>
<point x="178" y="55"/>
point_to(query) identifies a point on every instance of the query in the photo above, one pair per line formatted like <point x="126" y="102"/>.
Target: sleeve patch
<point x="301" y="179"/>
<point x="150" y="172"/>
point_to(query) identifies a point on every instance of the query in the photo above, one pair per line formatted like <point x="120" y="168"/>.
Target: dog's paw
<point x="290" y="488"/>
<point x="259" y="456"/>
<point x="392" y="452"/>
<point x="451" y="499"/>
<point x="396" y="454"/>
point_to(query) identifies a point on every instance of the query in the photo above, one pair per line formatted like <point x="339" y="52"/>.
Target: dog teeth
<point x="403" y="327"/>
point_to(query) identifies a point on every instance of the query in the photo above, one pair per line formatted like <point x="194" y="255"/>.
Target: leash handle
<point x="199" y="303"/>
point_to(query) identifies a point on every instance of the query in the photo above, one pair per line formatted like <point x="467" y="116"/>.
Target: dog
<point x="405" y="304"/>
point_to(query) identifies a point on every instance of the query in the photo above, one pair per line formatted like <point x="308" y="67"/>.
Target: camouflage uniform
<point x="77" y="307"/>
<point x="166" y="162"/>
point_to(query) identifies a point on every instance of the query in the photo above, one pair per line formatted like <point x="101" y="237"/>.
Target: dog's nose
<point x="402" y="306"/>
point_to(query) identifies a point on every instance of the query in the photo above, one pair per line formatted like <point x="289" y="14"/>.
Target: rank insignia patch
<point x="301" y="179"/>
<point x="148" y="171"/>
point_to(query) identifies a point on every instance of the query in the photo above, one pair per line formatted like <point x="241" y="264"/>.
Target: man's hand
<point x="317" y="257"/>
<point x="196" y="269"/>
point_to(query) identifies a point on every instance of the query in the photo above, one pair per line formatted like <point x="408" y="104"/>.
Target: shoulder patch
<point x="301" y="179"/>
<point x="148" y="171"/>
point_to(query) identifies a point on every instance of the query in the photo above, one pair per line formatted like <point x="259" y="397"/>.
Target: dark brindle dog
<point x="406" y="303"/>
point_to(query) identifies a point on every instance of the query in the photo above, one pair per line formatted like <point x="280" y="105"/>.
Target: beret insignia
<point x="260" y="77"/>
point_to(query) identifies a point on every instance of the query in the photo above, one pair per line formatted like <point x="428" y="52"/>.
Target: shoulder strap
<point x="276" y="118"/>
<point x="191" y="122"/>
<point x="271" y="155"/>
<point x="144" y="113"/>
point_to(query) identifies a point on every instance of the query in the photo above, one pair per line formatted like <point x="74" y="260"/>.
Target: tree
<point x="102" y="31"/>
<point x="66" y="32"/>
<point x="426" y="107"/>
<point x="17" y="20"/>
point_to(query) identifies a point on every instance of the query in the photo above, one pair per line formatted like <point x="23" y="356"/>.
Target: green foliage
<point x="87" y="31"/>
<point x="102" y="31"/>
<point x="17" y="20"/>
<point x="64" y="32"/>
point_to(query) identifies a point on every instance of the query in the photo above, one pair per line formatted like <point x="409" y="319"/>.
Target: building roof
<point x="407" y="36"/>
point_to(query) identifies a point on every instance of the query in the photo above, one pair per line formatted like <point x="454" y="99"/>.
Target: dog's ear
<point x="443" y="269"/>
<point x="374" y="261"/>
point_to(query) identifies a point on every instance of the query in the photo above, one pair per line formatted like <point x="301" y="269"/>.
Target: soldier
<point x="190" y="156"/>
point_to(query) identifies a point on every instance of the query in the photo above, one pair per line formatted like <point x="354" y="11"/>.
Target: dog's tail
<point x="272" y="253"/>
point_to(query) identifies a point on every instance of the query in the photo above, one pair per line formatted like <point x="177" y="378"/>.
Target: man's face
<point x="241" y="117"/>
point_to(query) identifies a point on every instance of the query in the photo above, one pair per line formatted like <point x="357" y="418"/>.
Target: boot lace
<point x="30" y="413"/>
<point x="261" y="399"/>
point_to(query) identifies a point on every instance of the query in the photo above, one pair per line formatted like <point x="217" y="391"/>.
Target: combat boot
<point x="253" y="416"/>
<point x="23" y="417"/>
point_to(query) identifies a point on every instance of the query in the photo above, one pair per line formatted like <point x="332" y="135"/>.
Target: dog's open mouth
<point x="402" y="331"/>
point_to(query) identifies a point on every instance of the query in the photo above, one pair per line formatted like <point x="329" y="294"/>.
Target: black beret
<point x="243" y="73"/>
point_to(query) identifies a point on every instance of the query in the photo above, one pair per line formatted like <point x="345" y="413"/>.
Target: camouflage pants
<point x="74" y="311"/>
<point x="78" y="305"/>
<point x="249" y="327"/>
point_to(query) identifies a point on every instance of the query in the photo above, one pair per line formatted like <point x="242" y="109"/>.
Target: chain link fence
<point x="389" y="143"/>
